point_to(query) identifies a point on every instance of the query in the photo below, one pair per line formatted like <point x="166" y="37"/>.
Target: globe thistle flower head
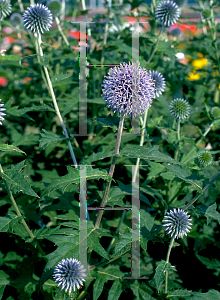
<point x="16" y="20"/>
<point x="215" y="111"/>
<point x="69" y="274"/>
<point x="1" y="112"/>
<point x="167" y="13"/>
<point x="179" y="109"/>
<point x="128" y="89"/>
<point x="37" y="18"/>
<point x="205" y="158"/>
<point x="206" y="13"/>
<point x="176" y="32"/>
<point x="5" y="9"/>
<point x="160" y="82"/>
<point x="55" y="7"/>
<point x="177" y="223"/>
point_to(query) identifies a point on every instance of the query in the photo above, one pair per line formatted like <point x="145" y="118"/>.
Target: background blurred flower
<point x="177" y="223"/>
<point x="128" y="89"/>
<point x="159" y="81"/>
<point x="3" y="81"/>
<point x="55" y="7"/>
<point x="69" y="273"/>
<point x="199" y="63"/>
<point x="205" y="158"/>
<point x="176" y="32"/>
<point x="16" y="20"/>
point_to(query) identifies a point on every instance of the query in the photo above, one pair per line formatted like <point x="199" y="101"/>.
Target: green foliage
<point x="42" y="220"/>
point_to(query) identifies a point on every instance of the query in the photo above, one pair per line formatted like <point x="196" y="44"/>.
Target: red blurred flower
<point x="3" y="81"/>
<point x="27" y="79"/>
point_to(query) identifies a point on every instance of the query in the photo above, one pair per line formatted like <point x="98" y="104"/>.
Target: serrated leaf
<point x="146" y="220"/>
<point x="210" y="264"/>
<point x="98" y="287"/>
<point x="115" y="290"/>
<point x="11" y="148"/>
<point x="212" y="213"/>
<point x="10" y="57"/>
<point x="185" y="175"/>
<point x="44" y="61"/>
<point x="123" y="244"/>
<point x="17" y="181"/>
<point x="19" y="112"/>
<point x="210" y="295"/>
<point x="160" y="273"/>
<point x="179" y="293"/>
<point x="110" y="121"/>
<point x="4" y="278"/>
<point x="57" y="78"/>
<point x="6" y="223"/>
<point x="140" y="292"/>
<point x="49" y="137"/>
<point x="73" y="178"/>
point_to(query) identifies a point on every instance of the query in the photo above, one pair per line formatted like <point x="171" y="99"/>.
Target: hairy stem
<point x="111" y="171"/>
<point x="167" y="261"/>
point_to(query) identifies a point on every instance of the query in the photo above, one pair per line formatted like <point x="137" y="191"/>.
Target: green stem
<point x="60" y="119"/>
<point x="155" y="47"/>
<point x="31" y="2"/>
<point x="184" y="160"/>
<point x="21" y="6"/>
<point x="141" y="144"/>
<point x="178" y="139"/>
<point x="111" y="171"/>
<point x="167" y="261"/>
<point x="204" y="189"/>
<point x="20" y="215"/>
<point x="61" y="31"/>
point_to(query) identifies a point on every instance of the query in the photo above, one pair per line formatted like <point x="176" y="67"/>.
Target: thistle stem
<point x="178" y="139"/>
<point x="141" y="144"/>
<point x="21" y="6"/>
<point x="155" y="47"/>
<point x="111" y="171"/>
<point x="60" y="118"/>
<point x="61" y="31"/>
<point x="20" y="215"/>
<point x="203" y="190"/>
<point x="184" y="160"/>
<point x="167" y="261"/>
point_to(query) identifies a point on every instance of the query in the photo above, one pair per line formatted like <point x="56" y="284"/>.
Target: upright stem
<point x="167" y="261"/>
<point x="155" y="47"/>
<point x="178" y="139"/>
<point x="61" y="31"/>
<point x="111" y="171"/>
<point x="20" y="215"/>
<point x="184" y="160"/>
<point x="60" y="118"/>
<point x="204" y="189"/>
<point x="141" y="144"/>
<point x="21" y="6"/>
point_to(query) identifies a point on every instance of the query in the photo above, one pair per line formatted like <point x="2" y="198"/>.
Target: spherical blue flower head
<point x="167" y="13"/>
<point x="37" y="18"/>
<point x="16" y="20"/>
<point x="5" y="9"/>
<point x="177" y="223"/>
<point x="128" y="89"/>
<point x="177" y="32"/>
<point x="1" y="112"/>
<point x="159" y="80"/>
<point x="69" y="273"/>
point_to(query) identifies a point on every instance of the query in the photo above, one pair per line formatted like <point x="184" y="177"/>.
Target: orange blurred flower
<point x="27" y="79"/>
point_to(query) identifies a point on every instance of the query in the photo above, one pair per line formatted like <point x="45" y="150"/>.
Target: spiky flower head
<point x="206" y="13"/>
<point x="177" y="32"/>
<point x="179" y="109"/>
<point x="16" y="20"/>
<point x="69" y="274"/>
<point x="128" y="89"/>
<point x="37" y="18"/>
<point x="177" y="223"/>
<point x="5" y="9"/>
<point x="167" y="13"/>
<point x="205" y="158"/>
<point x="215" y="111"/>
<point x="1" y="112"/>
<point x="160" y="82"/>
<point x="55" y="7"/>
<point x="180" y="2"/>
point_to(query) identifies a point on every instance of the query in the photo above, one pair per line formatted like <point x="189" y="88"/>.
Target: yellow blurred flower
<point x="193" y="76"/>
<point x="199" y="63"/>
